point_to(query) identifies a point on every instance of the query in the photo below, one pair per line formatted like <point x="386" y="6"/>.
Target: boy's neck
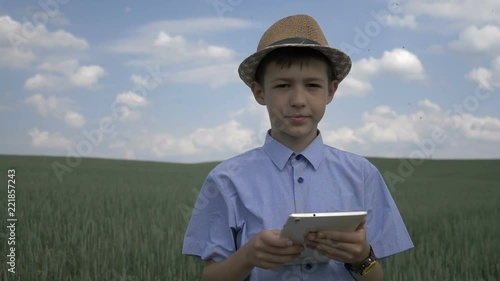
<point x="297" y="145"/>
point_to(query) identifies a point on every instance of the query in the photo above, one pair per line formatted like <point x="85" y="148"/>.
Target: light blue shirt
<point x="258" y="189"/>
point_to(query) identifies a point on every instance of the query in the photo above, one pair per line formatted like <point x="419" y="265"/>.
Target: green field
<point x="125" y="220"/>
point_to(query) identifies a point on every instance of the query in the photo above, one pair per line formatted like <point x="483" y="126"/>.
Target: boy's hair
<point x="287" y="56"/>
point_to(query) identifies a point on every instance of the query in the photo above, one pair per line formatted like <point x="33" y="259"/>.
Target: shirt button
<point x="300" y="180"/>
<point x="308" y="266"/>
<point x="298" y="157"/>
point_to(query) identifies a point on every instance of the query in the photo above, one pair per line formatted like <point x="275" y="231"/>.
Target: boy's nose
<point x="297" y="97"/>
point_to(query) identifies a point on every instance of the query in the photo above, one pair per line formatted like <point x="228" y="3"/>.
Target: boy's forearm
<point x="376" y="274"/>
<point x="234" y="268"/>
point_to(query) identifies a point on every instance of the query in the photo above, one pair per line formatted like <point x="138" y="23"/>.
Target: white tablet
<point x="300" y="224"/>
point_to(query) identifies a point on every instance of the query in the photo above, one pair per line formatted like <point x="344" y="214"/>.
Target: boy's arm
<point x="266" y="250"/>
<point x="233" y="268"/>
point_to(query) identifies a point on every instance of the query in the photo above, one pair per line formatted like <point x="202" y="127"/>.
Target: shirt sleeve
<point x="210" y="232"/>
<point x="386" y="231"/>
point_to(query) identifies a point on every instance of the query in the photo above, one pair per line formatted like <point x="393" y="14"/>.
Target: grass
<point x="125" y="220"/>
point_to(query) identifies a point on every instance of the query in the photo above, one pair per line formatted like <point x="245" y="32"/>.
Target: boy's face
<point x="296" y="99"/>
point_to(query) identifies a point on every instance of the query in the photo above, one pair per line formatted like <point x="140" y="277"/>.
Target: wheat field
<point x="125" y="220"/>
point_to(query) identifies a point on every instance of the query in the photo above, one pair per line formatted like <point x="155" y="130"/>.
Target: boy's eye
<point x="282" y="86"/>
<point x="313" y="85"/>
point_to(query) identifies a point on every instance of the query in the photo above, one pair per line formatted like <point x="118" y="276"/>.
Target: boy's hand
<point x="268" y="250"/>
<point x="347" y="247"/>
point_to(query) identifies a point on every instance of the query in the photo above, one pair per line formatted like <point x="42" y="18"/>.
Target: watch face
<point x="366" y="266"/>
<point x="369" y="262"/>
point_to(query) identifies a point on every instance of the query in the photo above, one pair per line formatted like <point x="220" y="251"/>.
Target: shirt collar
<point x="280" y="154"/>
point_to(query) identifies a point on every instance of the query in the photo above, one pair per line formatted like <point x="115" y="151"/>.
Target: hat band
<point x="295" y="40"/>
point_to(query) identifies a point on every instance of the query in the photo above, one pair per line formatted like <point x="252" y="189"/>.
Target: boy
<point x="245" y="200"/>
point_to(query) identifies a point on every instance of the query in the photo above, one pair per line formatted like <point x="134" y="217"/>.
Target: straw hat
<point x="294" y="31"/>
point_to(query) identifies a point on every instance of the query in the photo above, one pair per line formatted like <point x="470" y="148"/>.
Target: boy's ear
<point x="258" y="92"/>
<point x="331" y="90"/>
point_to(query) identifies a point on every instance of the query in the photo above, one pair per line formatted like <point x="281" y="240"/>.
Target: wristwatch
<point x="365" y="266"/>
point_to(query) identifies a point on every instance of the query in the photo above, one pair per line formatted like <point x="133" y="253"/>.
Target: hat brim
<point x="341" y="61"/>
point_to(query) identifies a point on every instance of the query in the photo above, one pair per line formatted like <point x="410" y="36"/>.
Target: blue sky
<point x="158" y="80"/>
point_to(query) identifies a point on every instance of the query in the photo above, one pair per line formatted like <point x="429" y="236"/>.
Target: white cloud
<point x="165" y="40"/>
<point x="129" y="154"/>
<point x="139" y="80"/>
<point x="253" y="116"/>
<point x="386" y="132"/>
<point x="131" y="99"/>
<point x="164" y="145"/>
<point x="26" y="35"/>
<point x="229" y="138"/>
<point x="481" y="76"/>
<point x="481" y="128"/>
<point x="59" y="108"/>
<point x="472" y="11"/>
<point x="129" y="115"/>
<point x="478" y="40"/>
<point x="64" y="75"/>
<point x="44" y="82"/>
<point x="244" y="130"/>
<point x="487" y="79"/>
<point x="126" y="111"/>
<point x="87" y="76"/>
<point x="74" y="119"/>
<point x="22" y="44"/>
<point x="496" y="63"/>
<point x="48" y="105"/>
<point x="168" y="49"/>
<point x="428" y="105"/>
<point x="57" y="39"/>
<point x="406" y="21"/>
<point x="15" y="58"/>
<point x="354" y="86"/>
<point x="384" y="125"/>
<point x="191" y="50"/>
<point x="214" y="75"/>
<point x="117" y="144"/>
<point x="341" y="138"/>
<point x="60" y="67"/>
<point x="44" y="139"/>
<point x="399" y="63"/>
<point x="216" y="52"/>
<point x="180" y="46"/>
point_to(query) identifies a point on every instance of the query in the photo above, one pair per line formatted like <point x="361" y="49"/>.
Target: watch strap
<point x="365" y="266"/>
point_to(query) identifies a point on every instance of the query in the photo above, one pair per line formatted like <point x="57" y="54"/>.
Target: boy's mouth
<point x="297" y="118"/>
